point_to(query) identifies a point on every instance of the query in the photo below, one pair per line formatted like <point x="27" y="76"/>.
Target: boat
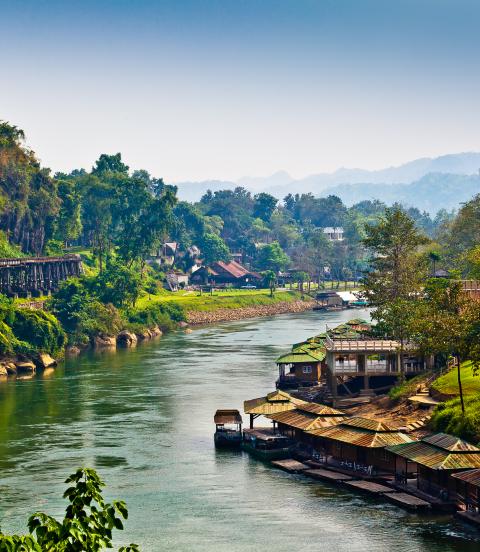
<point x="266" y="444"/>
<point x="228" y="428"/>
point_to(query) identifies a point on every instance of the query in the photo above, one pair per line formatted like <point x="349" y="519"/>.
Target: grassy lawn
<point x="448" y="383"/>
<point x="228" y="299"/>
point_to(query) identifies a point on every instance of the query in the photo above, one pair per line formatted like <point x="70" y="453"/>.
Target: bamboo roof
<point x="441" y="452"/>
<point x="472" y="477"/>
<point x="304" y="420"/>
<point x="450" y="442"/>
<point x="369" y="424"/>
<point x="227" y="417"/>
<point x="277" y="401"/>
<point x="320" y="409"/>
<point x="436" y="458"/>
<point x="363" y="432"/>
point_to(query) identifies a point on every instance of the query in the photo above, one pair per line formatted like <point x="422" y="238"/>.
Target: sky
<point x="220" y="89"/>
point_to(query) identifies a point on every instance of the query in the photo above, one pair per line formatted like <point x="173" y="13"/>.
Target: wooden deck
<point x="290" y="465"/>
<point x="369" y="487"/>
<point x="407" y="501"/>
<point x="327" y="475"/>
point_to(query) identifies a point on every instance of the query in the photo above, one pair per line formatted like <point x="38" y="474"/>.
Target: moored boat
<point x="228" y="428"/>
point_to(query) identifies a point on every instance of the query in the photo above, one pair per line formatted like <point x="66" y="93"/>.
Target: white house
<point x="334" y="233"/>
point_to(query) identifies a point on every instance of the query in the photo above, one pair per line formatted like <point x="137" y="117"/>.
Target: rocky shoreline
<point x="23" y="366"/>
<point x="225" y="315"/>
<point x="26" y="366"/>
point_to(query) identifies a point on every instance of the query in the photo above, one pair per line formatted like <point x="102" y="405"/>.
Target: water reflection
<point x="143" y="417"/>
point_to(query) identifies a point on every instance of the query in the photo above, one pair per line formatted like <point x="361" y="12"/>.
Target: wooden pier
<point x="408" y="501"/>
<point x="369" y="487"/>
<point x="327" y="475"/>
<point x="290" y="465"/>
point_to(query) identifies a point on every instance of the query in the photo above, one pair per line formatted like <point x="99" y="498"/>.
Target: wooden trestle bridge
<point x="34" y="276"/>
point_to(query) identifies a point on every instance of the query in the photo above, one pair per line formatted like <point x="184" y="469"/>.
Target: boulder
<point x="155" y="331"/>
<point x="11" y="368"/>
<point x="144" y="334"/>
<point x="188" y="330"/>
<point x="72" y="350"/>
<point x="103" y="341"/>
<point x="182" y="324"/>
<point x="44" y="360"/>
<point x="3" y="371"/>
<point x="126" y="339"/>
<point x="25" y="367"/>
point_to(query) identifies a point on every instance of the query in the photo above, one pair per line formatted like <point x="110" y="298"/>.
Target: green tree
<point x="214" y="249"/>
<point x="396" y="276"/>
<point x="272" y="257"/>
<point x="264" y="206"/>
<point x="68" y="224"/>
<point x="270" y="281"/>
<point x="109" y="164"/>
<point x="118" y="284"/>
<point x="447" y="322"/>
<point x="88" y="523"/>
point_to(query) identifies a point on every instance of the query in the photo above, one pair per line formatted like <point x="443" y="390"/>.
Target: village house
<point x="347" y="360"/>
<point x="301" y="367"/>
<point x="434" y="459"/>
<point x="472" y="288"/>
<point x="333" y="233"/>
<point x="359" y="444"/>
<point x="226" y="274"/>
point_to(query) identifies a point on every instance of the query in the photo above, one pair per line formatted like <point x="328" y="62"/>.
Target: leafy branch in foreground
<point x="87" y="525"/>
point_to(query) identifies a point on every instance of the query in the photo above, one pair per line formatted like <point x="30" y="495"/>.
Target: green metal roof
<point x="296" y="358"/>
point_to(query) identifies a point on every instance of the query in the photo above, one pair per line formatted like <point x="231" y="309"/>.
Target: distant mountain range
<point x="427" y="183"/>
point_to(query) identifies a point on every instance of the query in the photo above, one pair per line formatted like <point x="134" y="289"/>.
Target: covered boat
<point x="228" y="428"/>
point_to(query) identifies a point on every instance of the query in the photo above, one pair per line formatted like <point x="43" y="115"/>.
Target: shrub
<point x="82" y="314"/>
<point x="164" y="315"/>
<point x="39" y="329"/>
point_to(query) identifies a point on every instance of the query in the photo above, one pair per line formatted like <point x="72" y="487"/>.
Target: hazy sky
<point x="221" y="89"/>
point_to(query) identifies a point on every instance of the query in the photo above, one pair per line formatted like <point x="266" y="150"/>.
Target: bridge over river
<point x="34" y="276"/>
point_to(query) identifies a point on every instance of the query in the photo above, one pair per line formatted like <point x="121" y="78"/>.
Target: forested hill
<point x="431" y="193"/>
<point x="437" y="183"/>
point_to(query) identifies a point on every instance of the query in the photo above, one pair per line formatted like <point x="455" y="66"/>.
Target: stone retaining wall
<point x="224" y="315"/>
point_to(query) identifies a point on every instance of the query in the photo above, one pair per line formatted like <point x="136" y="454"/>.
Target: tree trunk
<point x="460" y="388"/>
<point x="402" y="362"/>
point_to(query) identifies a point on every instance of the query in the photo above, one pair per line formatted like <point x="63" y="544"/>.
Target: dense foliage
<point x="88" y="523"/>
<point x="24" y="331"/>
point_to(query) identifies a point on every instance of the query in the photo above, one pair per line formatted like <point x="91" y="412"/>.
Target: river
<point x="144" y="419"/>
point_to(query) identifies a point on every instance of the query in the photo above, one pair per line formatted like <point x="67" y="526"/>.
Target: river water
<point x="144" y="419"/>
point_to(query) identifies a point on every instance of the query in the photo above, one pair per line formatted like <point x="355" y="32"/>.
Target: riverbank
<point x="198" y="317"/>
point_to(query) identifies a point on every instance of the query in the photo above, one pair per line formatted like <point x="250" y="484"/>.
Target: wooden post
<point x="251" y="421"/>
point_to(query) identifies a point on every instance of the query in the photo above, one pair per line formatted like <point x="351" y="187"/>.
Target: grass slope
<point x="228" y="299"/>
<point x="448" y="383"/>
<point x="448" y="417"/>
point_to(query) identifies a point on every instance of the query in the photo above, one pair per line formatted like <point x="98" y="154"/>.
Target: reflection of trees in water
<point x="90" y="402"/>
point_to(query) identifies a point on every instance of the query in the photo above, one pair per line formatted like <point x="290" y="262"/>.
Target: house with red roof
<point x="221" y="273"/>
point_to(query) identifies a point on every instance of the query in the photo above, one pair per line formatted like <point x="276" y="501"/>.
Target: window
<point x="307" y="369"/>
